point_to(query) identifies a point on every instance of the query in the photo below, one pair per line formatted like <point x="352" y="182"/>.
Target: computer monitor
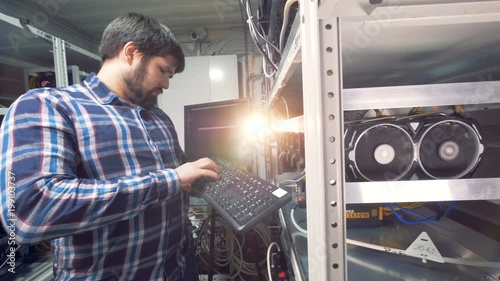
<point x="217" y="129"/>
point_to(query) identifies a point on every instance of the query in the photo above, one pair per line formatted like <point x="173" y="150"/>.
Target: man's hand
<point x="190" y="171"/>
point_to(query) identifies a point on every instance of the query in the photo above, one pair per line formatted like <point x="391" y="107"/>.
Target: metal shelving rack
<point x="316" y="49"/>
<point x="74" y="69"/>
<point x="58" y="49"/>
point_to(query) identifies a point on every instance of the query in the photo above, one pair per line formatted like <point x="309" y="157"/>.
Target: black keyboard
<point x="241" y="199"/>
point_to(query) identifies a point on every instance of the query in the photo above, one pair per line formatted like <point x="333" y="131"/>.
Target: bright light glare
<point x="292" y="125"/>
<point x="256" y="127"/>
<point x="216" y="74"/>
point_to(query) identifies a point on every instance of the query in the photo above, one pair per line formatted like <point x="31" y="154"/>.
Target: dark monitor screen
<point x="217" y="129"/>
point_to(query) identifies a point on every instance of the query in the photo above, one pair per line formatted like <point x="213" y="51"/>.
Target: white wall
<point x="205" y="79"/>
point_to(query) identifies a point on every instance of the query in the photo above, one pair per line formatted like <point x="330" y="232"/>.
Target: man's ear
<point x="130" y="52"/>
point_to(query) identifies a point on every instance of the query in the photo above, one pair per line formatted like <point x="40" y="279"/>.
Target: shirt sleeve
<point x="40" y="190"/>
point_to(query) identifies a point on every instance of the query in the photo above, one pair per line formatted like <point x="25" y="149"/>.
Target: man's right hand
<point x="191" y="171"/>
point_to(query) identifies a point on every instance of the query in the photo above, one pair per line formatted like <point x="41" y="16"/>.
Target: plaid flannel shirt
<point x="94" y="174"/>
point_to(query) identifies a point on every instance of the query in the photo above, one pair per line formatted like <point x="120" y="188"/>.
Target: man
<point x="97" y="168"/>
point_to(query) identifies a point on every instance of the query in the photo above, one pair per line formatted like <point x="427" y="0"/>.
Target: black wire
<point x="212" y="247"/>
<point x="268" y="60"/>
<point x="241" y="11"/>
<point x="257" y="32"/>
<point x="269" y="42"/>
<point x="263" y="37"/>
<point x="256" y="41"/>
<point x="247" y="66"/>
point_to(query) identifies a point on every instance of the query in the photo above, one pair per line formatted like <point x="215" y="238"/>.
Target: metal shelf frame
<point x="483" y="92"/>
<point x="428" y="191"/>
<point x="323" y="133"/>
<point x="74" y="69"/>
<point x="290" y="63"/>
<point x="58" y="47"/>
<point x="48" y="36"/>
<point x="316" y="49"/>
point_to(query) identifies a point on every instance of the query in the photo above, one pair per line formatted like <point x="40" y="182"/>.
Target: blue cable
<point x="452" y="205"/>
<point x="397" y="215"/>
<point x="410" y="212"/>
<point x="423" y="218"/>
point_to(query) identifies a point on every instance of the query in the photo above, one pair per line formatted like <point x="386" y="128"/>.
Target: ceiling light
<point x="216" y="74"/>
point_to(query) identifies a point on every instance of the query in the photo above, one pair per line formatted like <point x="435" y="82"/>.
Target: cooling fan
<point x="437" y="146"/>
<point x="449" y="149"/>
<point x="379" y="151"/>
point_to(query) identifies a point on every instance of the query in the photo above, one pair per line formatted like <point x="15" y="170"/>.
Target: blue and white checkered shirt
<point x="94" y="174"/>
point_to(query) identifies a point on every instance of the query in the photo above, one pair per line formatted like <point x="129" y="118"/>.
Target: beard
<point x="137" y="93"/>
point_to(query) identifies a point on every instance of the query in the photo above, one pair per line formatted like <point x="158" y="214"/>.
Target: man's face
<point x="148" y="79"/>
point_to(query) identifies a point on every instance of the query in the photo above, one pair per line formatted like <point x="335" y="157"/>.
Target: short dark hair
<point x="150" y="37"/>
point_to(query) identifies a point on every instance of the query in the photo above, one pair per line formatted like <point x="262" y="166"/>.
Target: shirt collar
<point x="100" y="91"/>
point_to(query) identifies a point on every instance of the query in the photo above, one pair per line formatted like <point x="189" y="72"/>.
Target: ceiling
<point x="398" y="42"/>
<point x="82" y="22"/>
<point x="88" y="18"/>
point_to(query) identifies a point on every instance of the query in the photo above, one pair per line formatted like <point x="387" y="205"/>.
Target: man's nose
<point x="165" y="83"/>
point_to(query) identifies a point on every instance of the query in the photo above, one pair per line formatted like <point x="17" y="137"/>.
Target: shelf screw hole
<point x="332" y="139"/>
<point x="333" y="203"/>
<point x="331" y="117"/>
<point x="334" y="225"/>
<point x="333" y="161"/>
<point x="335" y="245"/>
<point x="328" y="26"/>
<point x="329" y="50"/>
<point x="329" y="72"/>
<point x="335" y="266"/>
<point x="331" y="95"/>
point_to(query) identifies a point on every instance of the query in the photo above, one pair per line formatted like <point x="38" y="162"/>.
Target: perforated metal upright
<point x="323" y="122"/>
<point x="60" y="67"/>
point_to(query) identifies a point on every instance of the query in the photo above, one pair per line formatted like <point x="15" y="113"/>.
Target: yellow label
<point x="358" y="215"/>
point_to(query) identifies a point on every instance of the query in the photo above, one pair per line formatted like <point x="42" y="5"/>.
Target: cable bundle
<point x="261" y="42"/>
<point x="399" y="210"/>
<point x="228" y="248"/>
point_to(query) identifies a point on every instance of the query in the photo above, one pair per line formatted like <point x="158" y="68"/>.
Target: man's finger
<point x="211" y="174"/>
<point x="208" y="163"/>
